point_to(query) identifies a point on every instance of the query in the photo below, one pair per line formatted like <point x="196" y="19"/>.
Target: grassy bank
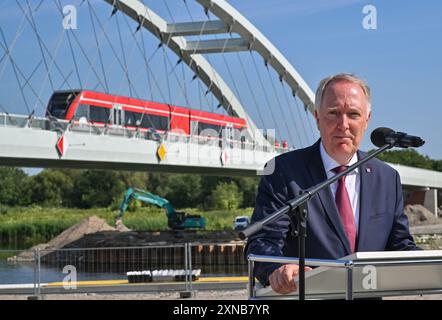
<point x="25" y="227"/>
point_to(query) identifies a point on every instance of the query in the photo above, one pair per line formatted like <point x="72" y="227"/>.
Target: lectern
<point x="361" y="275"/>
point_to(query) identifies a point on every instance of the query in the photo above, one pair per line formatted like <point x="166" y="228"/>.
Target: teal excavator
<point x="175" y="220"/>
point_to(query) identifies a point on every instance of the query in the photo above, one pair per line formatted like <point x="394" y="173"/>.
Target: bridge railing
<point x="53" y="124"/>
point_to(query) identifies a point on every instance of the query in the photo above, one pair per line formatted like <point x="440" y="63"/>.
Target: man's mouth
<point x="344" y="137"/>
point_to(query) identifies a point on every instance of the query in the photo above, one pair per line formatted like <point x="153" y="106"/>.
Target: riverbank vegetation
<point x="23" y="227"/>
<point x="34" y="209"/>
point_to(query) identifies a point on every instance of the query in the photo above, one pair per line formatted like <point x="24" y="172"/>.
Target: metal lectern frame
<point x="349" y="265"/>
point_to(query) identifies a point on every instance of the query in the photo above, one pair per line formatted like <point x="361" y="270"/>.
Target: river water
<point x="25" y="272"/>
<point x="104" y="265"/>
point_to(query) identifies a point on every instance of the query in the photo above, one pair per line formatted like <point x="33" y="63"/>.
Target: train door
<point x="229" y="134"/>
<point x="194" y="128"/>
<point x="117" y="115"/>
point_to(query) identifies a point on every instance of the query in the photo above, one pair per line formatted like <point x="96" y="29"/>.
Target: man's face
<point x="342" y="119"/>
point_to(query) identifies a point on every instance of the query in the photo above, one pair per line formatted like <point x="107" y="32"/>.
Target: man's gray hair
<point x="342" y="77"/>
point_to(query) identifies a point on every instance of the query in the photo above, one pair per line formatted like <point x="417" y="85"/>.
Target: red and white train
<point x="101" y="109"/>
<point x="105" y="109"/>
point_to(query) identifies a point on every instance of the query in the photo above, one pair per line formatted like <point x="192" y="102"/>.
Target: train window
<point x="59" y="104"/>
<point x="99" y="114"/>
<point x="131" y="119"/>
<point x="147" y="121"/>
<point x="205" y="126"/>
<point x="154" y="121"/>
<point x="82" y="112"/>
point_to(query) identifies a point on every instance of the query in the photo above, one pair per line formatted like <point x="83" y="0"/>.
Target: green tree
<point x="249" y="187"/>
<point x="183" y="190"/>
<point x="226" y="196"/>
<point x="95" y="188"/>
<point x="73" y="175"/>
<point x="135" y="179"/>
<point x="158" y="183"/>
<point x="409" y="157"/>
<point x="208" y="185"/>
<point x="437" y="165"/>
<point x="51" y="188"/>
<point x="13" y="187"/>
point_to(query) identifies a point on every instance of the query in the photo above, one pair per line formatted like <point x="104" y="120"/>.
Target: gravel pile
<point x="419" y="215"/>
<point x="86" y="226"/>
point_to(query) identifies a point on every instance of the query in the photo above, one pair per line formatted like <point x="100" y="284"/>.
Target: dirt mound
<point x="86" y="226"/>
<point x="119" y="225"/>
<point x="419" y="215"/>
<point x="94" y="232"/>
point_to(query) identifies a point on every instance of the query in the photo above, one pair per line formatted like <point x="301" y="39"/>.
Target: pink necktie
<point x="345" y="210"/>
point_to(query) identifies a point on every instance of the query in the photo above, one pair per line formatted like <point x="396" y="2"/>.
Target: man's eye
<point x="354" y="115"/>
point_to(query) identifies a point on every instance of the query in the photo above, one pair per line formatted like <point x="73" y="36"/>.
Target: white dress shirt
<point x="352" y="181"/>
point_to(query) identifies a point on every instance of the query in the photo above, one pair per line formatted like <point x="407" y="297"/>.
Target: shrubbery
<point x="104" y="189"/>
<point x="227" y="197"/>
<point x="84" y="189"/>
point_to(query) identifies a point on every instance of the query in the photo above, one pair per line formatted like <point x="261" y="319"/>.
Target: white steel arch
<point x="256" y="41"/>
<point x="191" y="52"/>
<point x="178" y="44"/>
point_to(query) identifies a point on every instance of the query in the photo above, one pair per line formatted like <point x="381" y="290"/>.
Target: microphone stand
<point x="297" y="210"/>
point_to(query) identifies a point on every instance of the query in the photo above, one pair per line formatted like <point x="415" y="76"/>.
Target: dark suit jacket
<point x="383" y="226"/>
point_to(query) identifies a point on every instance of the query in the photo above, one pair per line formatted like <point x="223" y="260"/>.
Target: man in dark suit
<point x="361" y="212"/>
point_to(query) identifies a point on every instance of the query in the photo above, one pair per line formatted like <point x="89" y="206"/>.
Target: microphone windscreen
<point x="378" y="136"/>
<point x="418" y="143"/>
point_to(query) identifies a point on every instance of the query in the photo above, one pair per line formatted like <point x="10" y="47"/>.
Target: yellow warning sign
<point x="161" y="152"/>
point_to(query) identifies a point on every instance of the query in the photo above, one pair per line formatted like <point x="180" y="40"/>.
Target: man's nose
<point x="343" y="122"/>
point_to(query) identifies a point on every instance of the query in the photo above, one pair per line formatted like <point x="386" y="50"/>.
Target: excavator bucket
<point x="119" y="225"/>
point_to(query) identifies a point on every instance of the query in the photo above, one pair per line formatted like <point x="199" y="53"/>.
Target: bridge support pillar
<point x="426" y="197"/>
<point x="430" y="201"/>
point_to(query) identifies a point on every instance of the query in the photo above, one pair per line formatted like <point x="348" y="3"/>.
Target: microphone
<point x="382" y="136"/>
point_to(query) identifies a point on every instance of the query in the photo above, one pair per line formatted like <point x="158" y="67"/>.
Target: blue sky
<point x="401" y="60"/>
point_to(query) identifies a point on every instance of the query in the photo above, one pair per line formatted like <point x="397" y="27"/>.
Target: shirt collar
<point x="330" y="163"/>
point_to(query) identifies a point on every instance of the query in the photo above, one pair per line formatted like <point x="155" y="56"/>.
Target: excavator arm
<point x="176" y="220"/>
<point x="144" y="196"/>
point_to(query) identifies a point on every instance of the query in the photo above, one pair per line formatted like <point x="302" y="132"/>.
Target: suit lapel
<point x="318" y="175"/>
<point x="366" y="200"/>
